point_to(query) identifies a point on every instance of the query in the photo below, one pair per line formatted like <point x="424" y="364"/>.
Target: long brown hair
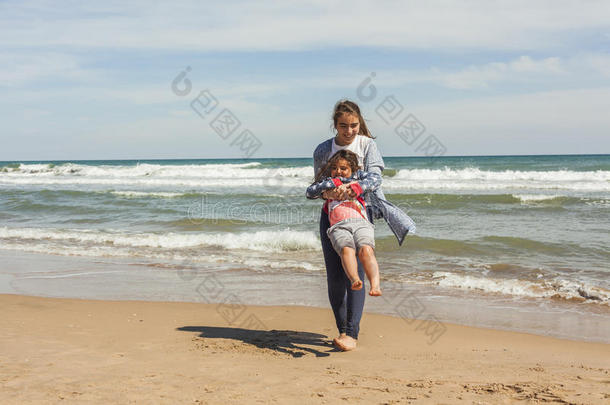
<point x="347" y="155"/>
<point x="349" y="107"/>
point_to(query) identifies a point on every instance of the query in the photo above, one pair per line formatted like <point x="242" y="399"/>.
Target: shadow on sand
<point x="282" y="341"/>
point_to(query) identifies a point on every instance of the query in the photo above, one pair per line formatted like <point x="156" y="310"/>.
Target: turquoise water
<point x="507" y="228"/>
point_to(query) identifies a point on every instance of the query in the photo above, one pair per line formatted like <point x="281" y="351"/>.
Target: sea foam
<point x="265" y="241"/>
<point x="555" y="288"/>
<point x="254" y="175"/>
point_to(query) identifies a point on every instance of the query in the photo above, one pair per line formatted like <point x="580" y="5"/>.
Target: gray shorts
<point x="352" y="233"/>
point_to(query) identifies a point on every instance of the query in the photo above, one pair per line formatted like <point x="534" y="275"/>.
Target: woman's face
<point x="347" y="128"/>
<point x="341" y="168"/>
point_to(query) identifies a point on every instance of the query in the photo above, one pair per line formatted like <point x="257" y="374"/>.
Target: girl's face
<point x="347" y="128"/>
<point x="341" y="168"/>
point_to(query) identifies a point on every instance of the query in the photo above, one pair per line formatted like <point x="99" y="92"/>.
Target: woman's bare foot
<point x="336" y="340"/>
<point x="375" y="292"/>
<point x="345" y="343"/>
<point x="357" y="284"/>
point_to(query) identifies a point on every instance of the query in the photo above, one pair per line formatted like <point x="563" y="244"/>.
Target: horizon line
<point x="294" y="157"/>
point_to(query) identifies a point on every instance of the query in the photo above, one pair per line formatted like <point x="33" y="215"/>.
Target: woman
<point x="352" y="134"/>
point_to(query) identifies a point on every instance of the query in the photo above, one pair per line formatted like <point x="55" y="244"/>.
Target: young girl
<point x="350" y="231"/>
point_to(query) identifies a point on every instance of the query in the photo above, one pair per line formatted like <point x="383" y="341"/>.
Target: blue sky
<point x="93" y="81"/>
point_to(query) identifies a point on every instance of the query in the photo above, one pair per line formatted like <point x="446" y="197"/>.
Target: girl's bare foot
<point x="357" y="284"/>
<point x="345" y="343"/>
<point x="375" y="292"/>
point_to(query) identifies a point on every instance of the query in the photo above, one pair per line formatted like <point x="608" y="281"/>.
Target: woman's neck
<point x="344" y="144"/>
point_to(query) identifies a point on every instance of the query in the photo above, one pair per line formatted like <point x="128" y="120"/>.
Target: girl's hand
<point x="349" y="192"/>
<point x="330" y="194"/>
<point x="342" y="189"/>
<point x="345" y="192"/>
<point x="336" y="193"/>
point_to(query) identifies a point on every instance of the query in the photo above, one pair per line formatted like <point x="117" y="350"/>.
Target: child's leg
<point x="350" y="265"/>
<point x="371" y="268"/>
<point x="364" y="239"/>
<point x="343" y="243"/>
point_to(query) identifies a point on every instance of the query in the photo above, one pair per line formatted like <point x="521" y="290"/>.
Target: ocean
<point x="510" y="242"/>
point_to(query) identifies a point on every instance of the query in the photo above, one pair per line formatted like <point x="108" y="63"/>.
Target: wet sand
<point x="69" y="350"/>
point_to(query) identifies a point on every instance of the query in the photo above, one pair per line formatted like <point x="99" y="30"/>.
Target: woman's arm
<point x="365" y="181"/>
<point x="368" y="181"/>
<point x="373" y="162"/>
<point x="320" y="156"/>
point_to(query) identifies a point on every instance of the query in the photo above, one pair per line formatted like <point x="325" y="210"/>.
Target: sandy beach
<point x="72" y="351"/>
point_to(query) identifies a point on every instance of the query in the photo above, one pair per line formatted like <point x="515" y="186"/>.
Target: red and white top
<point x="340" y="210"/>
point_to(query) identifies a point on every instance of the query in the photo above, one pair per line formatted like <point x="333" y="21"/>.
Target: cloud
<point x="597" y="63"/>
<point x="554" y="110"/>
<point x="581" y="69"/>
<point x="519" y="69"/>
<point x="292" y="25"/>
<point x="523" y="72"/>
<point x="18" y="68"/>
<point x="565" y="121"/>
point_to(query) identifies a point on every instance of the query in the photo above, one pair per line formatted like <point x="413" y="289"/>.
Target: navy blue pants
<point x="347" y="304"/>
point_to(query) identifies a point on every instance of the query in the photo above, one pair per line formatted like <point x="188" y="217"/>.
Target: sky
<point x="234" y="79"/>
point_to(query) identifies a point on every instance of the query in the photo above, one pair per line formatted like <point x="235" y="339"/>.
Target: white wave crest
<point x="155" y="175"/>
<point x="228" y="170"/>
<point x="561" y="288"/>
<point x="138" y="194"/>
<point x="266" y="241"/>
<point x="534" y="197"/>
<point x="597" y="203"/>
<point x="168" y="257"/>
<point x="477" y="179"/>
<point x="248" y="176"/>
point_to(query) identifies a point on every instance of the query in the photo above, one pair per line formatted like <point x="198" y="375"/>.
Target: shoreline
<point x="42" y="275"/>
<point x="429" y="325"/>
<point x="51" y="276"/>
<point x="124" y="351"/>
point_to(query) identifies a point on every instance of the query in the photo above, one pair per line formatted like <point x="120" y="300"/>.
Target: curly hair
<point x="349" y="156"/>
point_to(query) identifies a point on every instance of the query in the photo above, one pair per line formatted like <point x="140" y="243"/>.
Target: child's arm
<point x="316" y="189"/>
